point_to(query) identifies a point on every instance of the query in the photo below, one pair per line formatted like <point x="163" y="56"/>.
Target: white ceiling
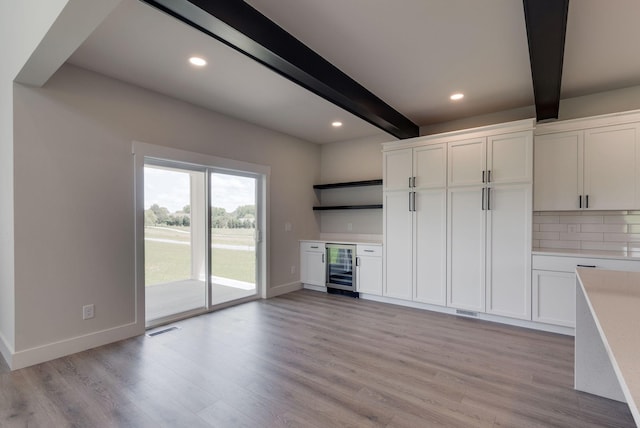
<point x="411" y="53"/>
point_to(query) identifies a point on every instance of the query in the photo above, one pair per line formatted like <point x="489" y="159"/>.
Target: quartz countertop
<point x="338" y="241"/>
<point x="614" y="300"/>
<point x="600" y="254"/>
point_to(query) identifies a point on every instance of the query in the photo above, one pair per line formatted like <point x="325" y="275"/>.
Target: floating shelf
<point x="348" y="184"/>
<point x="349" y="207"/>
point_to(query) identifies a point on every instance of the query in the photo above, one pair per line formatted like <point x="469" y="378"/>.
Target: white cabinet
<point x="508" y="251"/>
<point x="312" y="264"/>
<point x="369" y="269"/>
<point x="415" y="224"/>
<point x="596" y="169"/>
<point x="554" y="297"/>
<point x="554" y="282"/>
<point x="489" y="225"/>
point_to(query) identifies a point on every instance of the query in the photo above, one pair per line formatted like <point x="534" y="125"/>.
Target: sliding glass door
<point x="234" y="216"/>
<point x="201" y="238"/>
<point x="175" y="241"/>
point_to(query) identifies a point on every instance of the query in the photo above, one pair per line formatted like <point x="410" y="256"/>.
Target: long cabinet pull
<point x="322" y="257"/>
<point x="587" y="201"/>
<point x="413" y="199"/>
<point x="483" y="176"/>
<point x="414" y="182"/>
<point x="488" y="199"/>
<point x="489" y="176"/>
<point x="586" y="266"/>
<point x="409" y="182"/>
<point x="579" y="201"/>
<point x="410" y="206"/>
<point x="357" y="261"/>
<point x="483" y="199"/>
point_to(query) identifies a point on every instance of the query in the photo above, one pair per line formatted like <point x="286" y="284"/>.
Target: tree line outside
<point x="243" y="217"/>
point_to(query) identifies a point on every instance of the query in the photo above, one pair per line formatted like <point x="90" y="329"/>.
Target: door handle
<point x="483" y="199"/>
<point x="322" y="257"/>
<point x="483" y="176"/>
<point x="357" y="261"/>
<point x="488" y="199"/>
<point x="587" y="201"/>
<point x="413" y="199"/>
<point x="579" y="201"/>
<point x="489" y="176"/>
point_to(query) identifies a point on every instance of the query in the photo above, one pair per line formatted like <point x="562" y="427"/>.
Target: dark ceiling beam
<point x="546" y="22"/>
<point x="243" y="28"/>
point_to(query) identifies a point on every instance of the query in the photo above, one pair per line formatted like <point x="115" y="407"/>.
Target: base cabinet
<point x="312" y="264"/>
<point x="369" y="269"/>
<point x="554" y="298"/>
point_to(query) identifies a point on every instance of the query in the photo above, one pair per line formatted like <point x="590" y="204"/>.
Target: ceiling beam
<point x="246" y="30"/>
<point x="546" y="22"/>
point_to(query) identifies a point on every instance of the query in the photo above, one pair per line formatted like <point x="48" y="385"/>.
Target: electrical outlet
<point x="349" y="227"/>
<point x="288" y="227"/>
<point x="88" y="312"/>
<point x="293" y="270"/>
<point x="573" y="228"/>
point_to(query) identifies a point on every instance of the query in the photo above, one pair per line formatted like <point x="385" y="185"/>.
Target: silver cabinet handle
<point x="483" y="199"/>
<point x="489" y="176"/>
<point x="409" y="182"/>
<point x="322" y="257"/>
<point x="483" y="176"/>
<point x="579" y="201"/>
<point x="587" y="201"/>
<point x="413" y="198"/>
<point x="357" y="261"/>
<point x="368" y="251"/>
<point x="488" y="199"/>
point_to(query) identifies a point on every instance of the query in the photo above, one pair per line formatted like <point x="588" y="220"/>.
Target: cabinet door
<point x="397" y="245"/>
<point x="554" y="297"/>
<point x="467" y="161"/>
<point x="430" y="166"/>
<point x="510" y="158"/>
<point x="509" y="251"/>
<point x="369" y="275"/>
<point x="430" y="246"/>
<point x="557" y="178"/>
<point x="466" y="252"/>
<point x="397" y="169"/>
<point x="313" y="269"/>
<point x="611" y="167"/>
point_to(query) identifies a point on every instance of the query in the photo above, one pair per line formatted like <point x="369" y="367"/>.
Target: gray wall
<point x="22" y="26"/>
<point x="73" y="163"/>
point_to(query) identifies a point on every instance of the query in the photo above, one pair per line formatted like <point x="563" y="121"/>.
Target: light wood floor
<point x="313" y="360"/>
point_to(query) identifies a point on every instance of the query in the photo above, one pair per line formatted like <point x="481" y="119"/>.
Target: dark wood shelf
<point x="349" y="207"/>
<point x="349" y="184"/>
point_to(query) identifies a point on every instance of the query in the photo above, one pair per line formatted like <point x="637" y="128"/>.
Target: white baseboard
<point x="6" y="349"/>
<point x="283" y="289"/>
<point x="480" y="316"/>
<point x="51" y="351"/>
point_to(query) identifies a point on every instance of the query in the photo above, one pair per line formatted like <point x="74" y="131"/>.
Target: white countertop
<point x="600" y="254"/>
<point x="337" y="241"/>
<point x="614" y="300"/>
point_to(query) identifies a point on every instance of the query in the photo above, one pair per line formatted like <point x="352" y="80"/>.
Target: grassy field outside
<point x="171" y="261"/>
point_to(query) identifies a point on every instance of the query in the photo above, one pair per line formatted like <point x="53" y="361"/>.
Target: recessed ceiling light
<point x="197" y="61"/>
<point x="336" y="124"/>
<point x="457" y="96"/>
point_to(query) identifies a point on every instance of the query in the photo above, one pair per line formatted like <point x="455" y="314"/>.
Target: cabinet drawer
<point x="569" y="264"/>
<point x="314" y="247"/>
<point x="369" y="250"/>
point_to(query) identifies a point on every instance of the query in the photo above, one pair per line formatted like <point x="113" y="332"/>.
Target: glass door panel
<point x="175" y="241"/>
<point x="233" y="236"/>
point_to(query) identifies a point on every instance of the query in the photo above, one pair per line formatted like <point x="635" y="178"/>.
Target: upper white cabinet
<point x="415" y="223"/>
<point x="467" y="162"/>
<point x="588" y="169"/>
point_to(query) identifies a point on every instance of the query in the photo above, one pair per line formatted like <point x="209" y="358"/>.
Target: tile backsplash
<point x="587" y="230"/>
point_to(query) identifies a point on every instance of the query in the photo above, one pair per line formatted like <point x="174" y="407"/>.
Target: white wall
<point x="74" y="203"/>
<point x="22" y="26"/>
<point x="352" y="161"/>
<point x="571" y="108"/>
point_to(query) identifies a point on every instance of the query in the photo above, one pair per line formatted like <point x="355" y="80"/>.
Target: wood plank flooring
<point x="309" y="359"/>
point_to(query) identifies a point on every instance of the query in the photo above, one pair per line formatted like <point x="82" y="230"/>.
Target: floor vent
<point x="161" y="331"/>
<point x="466" y="313"/>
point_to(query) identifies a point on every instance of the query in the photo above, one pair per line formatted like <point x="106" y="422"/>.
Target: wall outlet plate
<point x="573" y="228"/>
<point x="88" y="312"/>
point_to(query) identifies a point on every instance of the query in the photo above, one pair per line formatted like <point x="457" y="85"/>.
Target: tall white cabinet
<point x="415" y="223"/>
<point x="457" y="219"/>
<point x="489" y="227"/>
